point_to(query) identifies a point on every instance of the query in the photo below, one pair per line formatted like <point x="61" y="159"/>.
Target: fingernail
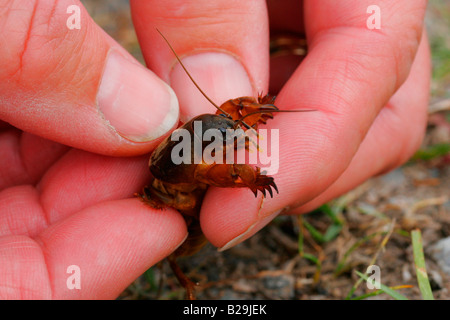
<point x="134" y="101"/>
<point x="182" y="241"/>
<point x="254" y="228"/>
<point x="220" y="76"/>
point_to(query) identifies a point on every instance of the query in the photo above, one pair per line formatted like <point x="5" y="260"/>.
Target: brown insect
<point x="182" y="186"/>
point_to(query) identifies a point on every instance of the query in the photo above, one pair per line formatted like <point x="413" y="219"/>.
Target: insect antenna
<point x="269" y="110"/>
<point x="261" y="110"/>
<point x="190" y="77"/>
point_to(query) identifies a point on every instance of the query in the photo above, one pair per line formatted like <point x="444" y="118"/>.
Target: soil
<point x="373" y="221"/>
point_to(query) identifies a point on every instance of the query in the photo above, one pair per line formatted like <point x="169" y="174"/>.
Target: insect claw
<point x="264" y="192"/>
<point x="270" y="191"/>
<point x="255" y="192"/>
<point x="274" y="186"/>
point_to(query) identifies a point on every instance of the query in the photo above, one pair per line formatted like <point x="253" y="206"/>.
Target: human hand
<point x="63" y="207"/>
<point x="369" y="87"/>
<point x="70" y="194"/>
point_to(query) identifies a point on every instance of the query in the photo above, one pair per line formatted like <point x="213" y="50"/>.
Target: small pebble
<point x="441" y="253"/>
<point x="281" y="286"/>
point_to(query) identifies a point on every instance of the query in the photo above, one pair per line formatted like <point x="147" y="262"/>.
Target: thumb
<point x="223" y="44"/>
<point x="63" y="78"/>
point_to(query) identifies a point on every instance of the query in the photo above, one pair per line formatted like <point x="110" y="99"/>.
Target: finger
<point x="109" y="245"/>
<point x="25" y="157"/>
<point x="77" y="181"/>
<point x="81" y="179"/>
<point x="223" y="44"/>
<point x="404" y="118"/>
<point x="348" y="76"/>
<point x="76" y="85"/>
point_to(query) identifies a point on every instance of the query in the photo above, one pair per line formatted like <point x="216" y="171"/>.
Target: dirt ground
<point x="369" y="226"/>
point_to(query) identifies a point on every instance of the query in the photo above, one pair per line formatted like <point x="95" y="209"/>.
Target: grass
<point x="384" y="289"/>
<point x="317" y="239"/>
<point x="432" y="152"/>
<point x="317" y="260"/>
<point x="419" y="261"/>
<point x="440" y="53"/>
<point x="422" y="277"/>
<point x="333" y="229"/>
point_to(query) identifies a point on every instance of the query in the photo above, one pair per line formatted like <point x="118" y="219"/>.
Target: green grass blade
<point x="419" y="261"/>
<point x="342" y="263"/>
<point x="332" y="232"/>
<point x="149" y="276"/>
<point x="394" y="294"/>
<point x="317" y="236"/>
<point x="377" y="292"/>
<point x="332" y="212"/>
<point x="431" y="152"/>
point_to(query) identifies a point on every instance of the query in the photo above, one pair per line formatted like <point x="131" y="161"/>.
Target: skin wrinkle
<point x="28" y="36"/>
<point x="45" y="257"/>
<point x="52" y="12"/>
<point x="47" y="210"/>
<point x="25" y="169"/>
<point x="11" y="226"/>
<point x="27" y="242"/>
<point x="42" y="212"/>
<point x="28" y="192"/>
<point x="345" y="74"/>
<point x="196" y="20"/>
<point x="212" y="13"/>
<point x="338" y="95"/>
<point x="5" y="10"/>
<point x="77" y="78"/>
<point x="367" y="50"/>
<point x="395" y="162"/>
<point x="25" y="165"/>
<point x="63" y="40"/>
<point x="408" y="52"/>
<point x="398" y="56"/>
<point x="54" y="43"/>
<point x="14" y="134"/>
<point x="406" y="145"/>
<point x="65" y="59"/>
